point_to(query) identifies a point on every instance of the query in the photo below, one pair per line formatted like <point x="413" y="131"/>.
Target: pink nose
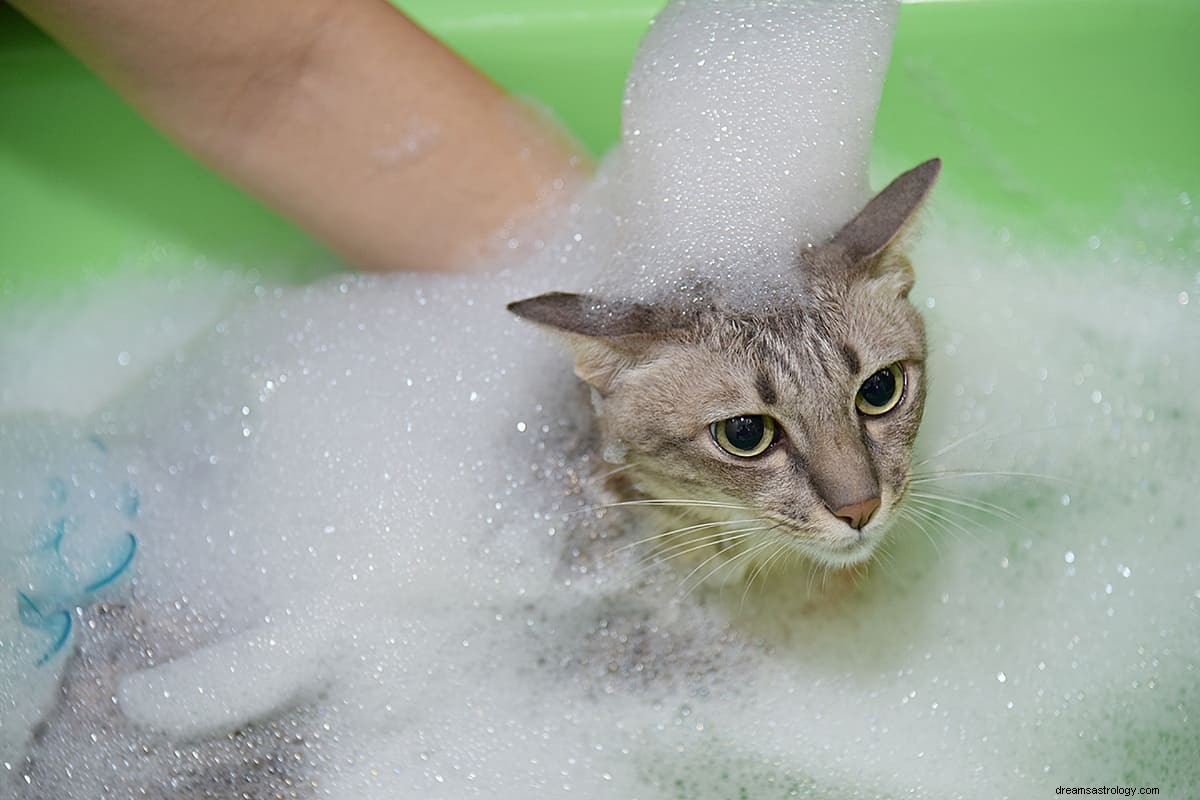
<point x="856" y="515"/>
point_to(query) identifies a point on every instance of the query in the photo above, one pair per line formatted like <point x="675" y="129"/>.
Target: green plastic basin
<point x="1062" y="117"/>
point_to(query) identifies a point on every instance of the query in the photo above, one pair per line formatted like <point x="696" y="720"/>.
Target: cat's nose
<point x="856" y="515"/>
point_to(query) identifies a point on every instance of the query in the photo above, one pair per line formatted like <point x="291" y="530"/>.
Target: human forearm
<point x="341" y="114"/>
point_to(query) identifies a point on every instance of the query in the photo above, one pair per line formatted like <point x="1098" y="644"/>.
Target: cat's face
<point x="775" y="430"/>
<point x="804" y="419"/>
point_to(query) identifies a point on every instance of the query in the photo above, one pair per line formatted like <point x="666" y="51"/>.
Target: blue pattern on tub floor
<point x="82" y="544"/>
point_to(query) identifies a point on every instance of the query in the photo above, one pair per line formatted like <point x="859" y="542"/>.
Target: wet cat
<point x="757" y="435"/>
<point x="767" y="433"/>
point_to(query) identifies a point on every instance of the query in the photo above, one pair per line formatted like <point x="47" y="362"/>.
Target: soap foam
<point x="746" y="135"/>
<point x="373" y="624"/>
<point x="368" y="566"/>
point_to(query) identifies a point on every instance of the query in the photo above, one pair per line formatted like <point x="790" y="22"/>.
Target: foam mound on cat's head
<point x="746" y="133"/>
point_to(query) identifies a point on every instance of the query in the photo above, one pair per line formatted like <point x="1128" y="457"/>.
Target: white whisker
<point x="762" y="569"/>
<point x="694" y="545"/>
<point x="808" y="588"/>
<point x="666" y="503"/>
<point x="941" y="517"/>
<point x="699" y="567"/>
<point x="723" y="565"/>
<point x="1003" y="435"/>
<point x="953" y="474"/>
<point x="912" y="517"/>
<point x="982" y="506"/>
<point x="956" y="514"/>
<point x="885" y="558"/>
<point x="678" y="531"/>
<point x="744" y="555"/>
<point x="606" y="475"/>
<point x="825" y="573"/>
<point x="951" y="446"/>
<point x="691" y="546"/>
<point x="718" y="540"/>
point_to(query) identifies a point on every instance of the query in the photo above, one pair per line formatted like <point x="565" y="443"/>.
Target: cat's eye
<point x="745" y="436"/>
<point x="881" y="392"/>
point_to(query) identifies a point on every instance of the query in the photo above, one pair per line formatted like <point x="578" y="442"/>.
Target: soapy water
<point x="367" y="562"/>
<point x="367" y="568"/>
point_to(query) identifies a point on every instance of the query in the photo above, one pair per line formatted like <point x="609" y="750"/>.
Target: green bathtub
<point x="1060" y="117"/>
<point x="1058" y="120"/>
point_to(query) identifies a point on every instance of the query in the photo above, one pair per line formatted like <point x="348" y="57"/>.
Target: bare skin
<point x="343" y="115"/>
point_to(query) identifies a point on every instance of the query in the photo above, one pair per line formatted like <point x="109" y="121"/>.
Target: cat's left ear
<point x="873" y="237"/>
<point x="606" y="338"/>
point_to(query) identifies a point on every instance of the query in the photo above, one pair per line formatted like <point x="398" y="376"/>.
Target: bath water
<point x="338" y="540"/>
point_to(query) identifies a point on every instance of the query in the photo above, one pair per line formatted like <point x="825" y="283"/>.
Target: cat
<point x="772" y="433"/>
<point x="756" y="437"/>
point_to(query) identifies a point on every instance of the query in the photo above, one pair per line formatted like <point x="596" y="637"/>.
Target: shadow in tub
<point x="265" y="759"/>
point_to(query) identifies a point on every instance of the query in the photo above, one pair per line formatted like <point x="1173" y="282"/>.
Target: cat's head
<point x="788" y="425"/>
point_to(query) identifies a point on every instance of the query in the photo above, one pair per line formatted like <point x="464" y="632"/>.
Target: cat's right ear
<point x="884" y="218"/>
<point x="605" y="338"/>
<point x="873" y="242"/>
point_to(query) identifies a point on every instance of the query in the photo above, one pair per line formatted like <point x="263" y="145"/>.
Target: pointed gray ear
<point x="883" y="219"/>
<point x="606" y="338"/>
<point x="586" y="316"/>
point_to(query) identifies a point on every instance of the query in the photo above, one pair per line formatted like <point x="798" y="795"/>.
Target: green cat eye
<point x="881" y="392"/>
<point x="744" y="436"/>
